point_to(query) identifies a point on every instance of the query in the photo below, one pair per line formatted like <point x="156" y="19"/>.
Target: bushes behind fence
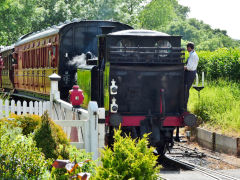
<point x="19" y="156"/>
<point x="51" y="138"/>
<point x="28" y="123"/>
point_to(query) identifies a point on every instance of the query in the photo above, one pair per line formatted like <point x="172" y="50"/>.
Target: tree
<point x="16" y="19"/>
<point x="157" y="14"/>
<point x="19" y="17"/>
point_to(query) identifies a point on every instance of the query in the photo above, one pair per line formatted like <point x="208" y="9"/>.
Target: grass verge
<point x="218" y="107"/>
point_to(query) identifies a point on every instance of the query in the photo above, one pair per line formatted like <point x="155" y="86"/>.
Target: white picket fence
<point x="80" y="125"/>
<point x="11" y="107"/>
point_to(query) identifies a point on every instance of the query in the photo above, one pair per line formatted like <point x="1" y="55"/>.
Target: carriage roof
<point x="52" y="30"/>
<point x="7" y="48"/>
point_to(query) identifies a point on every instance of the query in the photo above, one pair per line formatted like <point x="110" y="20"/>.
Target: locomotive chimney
<point x="107" y="29"/>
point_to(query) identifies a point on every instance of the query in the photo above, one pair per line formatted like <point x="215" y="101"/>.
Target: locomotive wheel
<point x="161" y="149"/>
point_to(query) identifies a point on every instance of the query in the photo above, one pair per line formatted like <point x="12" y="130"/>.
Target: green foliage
<point x="19" y="156"/>
<point x="5" y="96"/>
<point x="21" y="17"/>
<point x="61" y="10"/>
<point x="28" y="123"/>
<point x="222" y="63"/>
<point x="157" y="14"/>
<point x="83" y="80"/>
<point x="170" y="17"/>
<point x="129" y="159"/>
<point x="51" y="139"/>
<point x="201" y="34"/>
<point x="219" y="106"/>
<point x="16" y="19"/>
<point x="76" y="155"/>
<point x="81" y="156"/>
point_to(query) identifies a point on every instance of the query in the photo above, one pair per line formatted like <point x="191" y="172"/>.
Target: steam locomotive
<point x="136" y="75"/>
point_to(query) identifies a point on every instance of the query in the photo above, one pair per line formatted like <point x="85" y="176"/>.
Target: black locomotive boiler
<point x="139" y="78"/>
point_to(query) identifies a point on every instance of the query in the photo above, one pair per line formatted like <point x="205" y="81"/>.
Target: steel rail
<point x="207" y="154"/>
<point x="209" y="172"/>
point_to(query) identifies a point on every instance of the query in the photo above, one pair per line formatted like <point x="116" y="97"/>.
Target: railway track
<point x="213" y="174"/>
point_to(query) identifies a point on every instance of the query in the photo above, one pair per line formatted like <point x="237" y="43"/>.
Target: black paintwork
<point x="75" y="39"/>
<point x="149" y="72"/>
<point x="139" y="88"/>
<point x="145" y="71"/>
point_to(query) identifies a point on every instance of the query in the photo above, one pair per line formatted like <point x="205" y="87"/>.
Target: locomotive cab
<point x="143" y="83"/>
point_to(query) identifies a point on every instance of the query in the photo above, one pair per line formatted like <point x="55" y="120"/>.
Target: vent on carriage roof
<point x="25" y="35"/>
<point x="141" y="32"/>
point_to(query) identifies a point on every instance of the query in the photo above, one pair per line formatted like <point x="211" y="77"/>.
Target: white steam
<point x="78" y="60"/>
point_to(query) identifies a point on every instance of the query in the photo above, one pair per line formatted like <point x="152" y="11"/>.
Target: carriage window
<point x="38" y="58"/>
<point x="54" y="63"/>
<point x="49" y="58"/>
<point x="163" y="44"/>
<point x="54" y="51"/>
<point x="33" y="58"/>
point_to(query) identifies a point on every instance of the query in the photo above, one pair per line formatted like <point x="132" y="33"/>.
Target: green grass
<point x="218" y="106"/>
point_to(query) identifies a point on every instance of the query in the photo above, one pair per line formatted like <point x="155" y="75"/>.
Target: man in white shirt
<point x="190" y="70"/>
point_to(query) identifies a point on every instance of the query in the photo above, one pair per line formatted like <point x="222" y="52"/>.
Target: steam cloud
<point x="78" y="60"/>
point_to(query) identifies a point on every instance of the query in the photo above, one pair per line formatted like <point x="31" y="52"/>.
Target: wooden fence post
<point x="93" y="128"/>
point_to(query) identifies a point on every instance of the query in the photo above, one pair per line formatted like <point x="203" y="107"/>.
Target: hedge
<point x="222" y="63"/>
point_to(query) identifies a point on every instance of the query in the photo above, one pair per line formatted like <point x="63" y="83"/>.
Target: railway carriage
<point x="40" y="54"/>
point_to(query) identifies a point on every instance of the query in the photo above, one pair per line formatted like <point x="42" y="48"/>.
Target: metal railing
<point x="173" y="55"/>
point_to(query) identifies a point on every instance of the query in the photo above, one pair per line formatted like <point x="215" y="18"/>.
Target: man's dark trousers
<point x="189" y="77"/>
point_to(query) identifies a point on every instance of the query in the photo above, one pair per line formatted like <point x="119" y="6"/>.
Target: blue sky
<point x="222" y="14"/>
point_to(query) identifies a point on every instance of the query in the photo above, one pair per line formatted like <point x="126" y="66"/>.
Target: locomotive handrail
<point x="138" y="59"/>
<point x="146" y="54"/>
<point x="144" y="62"/>
<point x="139" y="47"/>
<point x="116" y="52"/>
